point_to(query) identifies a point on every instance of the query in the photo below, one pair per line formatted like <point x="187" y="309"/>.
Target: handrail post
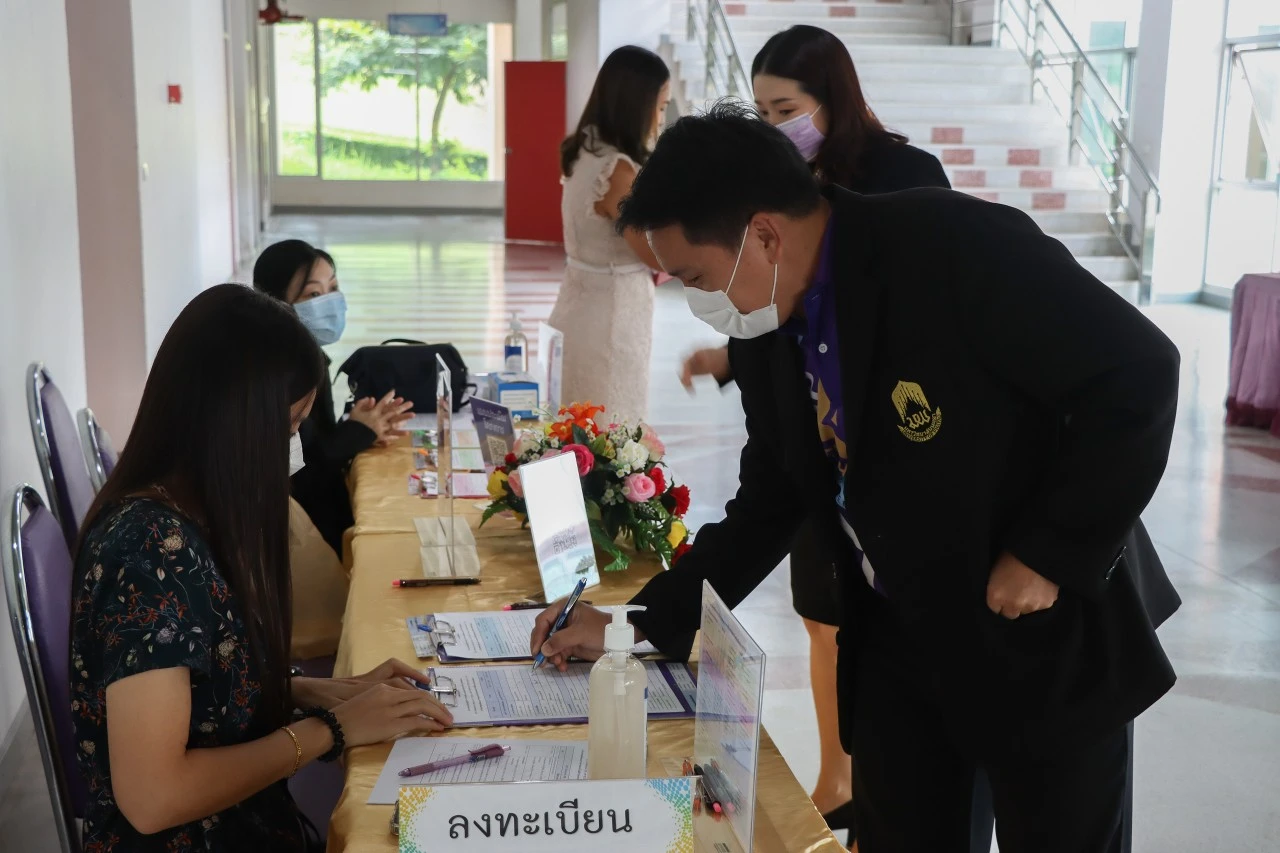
<point x="1036" y="16"/>
<point x="997" y="22"/>
<point x="1077" y="113"/>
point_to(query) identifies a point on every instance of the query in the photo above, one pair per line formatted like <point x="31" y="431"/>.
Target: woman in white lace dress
<point x="605" y="306"/>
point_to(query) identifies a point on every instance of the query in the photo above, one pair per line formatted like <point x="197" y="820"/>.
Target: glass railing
<point x="1089" y="92"/>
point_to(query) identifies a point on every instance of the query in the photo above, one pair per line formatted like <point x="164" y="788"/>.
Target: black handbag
<point x="408" y="368"/>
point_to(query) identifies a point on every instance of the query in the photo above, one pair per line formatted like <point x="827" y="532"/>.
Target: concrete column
<point x="105" y="124"/>
<point x="1173" y="128"/>
<point x="584" y="57"/>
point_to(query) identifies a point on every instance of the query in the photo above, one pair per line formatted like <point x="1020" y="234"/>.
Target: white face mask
<point x="717" y="310"/>
<point x="296" y="460"/>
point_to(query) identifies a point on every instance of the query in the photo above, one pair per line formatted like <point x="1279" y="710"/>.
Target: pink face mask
<point x="804" y="134"/>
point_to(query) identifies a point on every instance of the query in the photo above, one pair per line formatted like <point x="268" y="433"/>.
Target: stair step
<point x="1029" y="156"/>
<point x="1087" y="201"/>
<point x="1014" y="134"/>
<point x="1058" y="222"/>
<point x="1090" y="245"/>
<point x="965" y="115"/>
<point x="750" y="41"/>
<point x="809" y="12"/>
<point x="944" y="73"/>
<point x="1017" y="177"/>
<point x="1108" y="268"/>
<point x="880" y="91"/>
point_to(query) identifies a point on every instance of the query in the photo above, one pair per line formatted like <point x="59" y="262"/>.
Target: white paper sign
<point x="551" y="354"/>
<point x="558" y="520"/>
<point x="620" y="816"/>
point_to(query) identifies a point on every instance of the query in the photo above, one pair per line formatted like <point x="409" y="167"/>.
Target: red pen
<point x="493" y="750"/>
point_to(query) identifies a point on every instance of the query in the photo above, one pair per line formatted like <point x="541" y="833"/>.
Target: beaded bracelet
<point x="297" y="747"/>
<point x="327" y="717"/>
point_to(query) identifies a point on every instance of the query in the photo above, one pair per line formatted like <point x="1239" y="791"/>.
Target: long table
<point x="385" y="548"/>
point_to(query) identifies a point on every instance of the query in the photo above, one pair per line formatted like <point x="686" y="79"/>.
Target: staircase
<point x="970" y="107"/>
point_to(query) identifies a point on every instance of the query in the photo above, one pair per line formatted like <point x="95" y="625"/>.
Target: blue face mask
<point x="325" y="316"/>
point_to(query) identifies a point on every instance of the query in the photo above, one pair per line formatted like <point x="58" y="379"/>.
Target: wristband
<point x="327" y="717"/>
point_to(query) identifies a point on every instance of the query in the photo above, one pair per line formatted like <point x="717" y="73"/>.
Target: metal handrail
<point x="707" y="25"/>
<point x="1130" y="219"/>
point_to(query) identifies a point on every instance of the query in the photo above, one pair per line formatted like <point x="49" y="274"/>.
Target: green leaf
<point x="594" y="513"/>
<point x="619" y="560"/>
<point x="580" y="436"/>
<point x="491" y="510"/>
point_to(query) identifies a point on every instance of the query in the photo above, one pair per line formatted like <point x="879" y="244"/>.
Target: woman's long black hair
<point x="621" y="107"/>
<point x="213" y="430"/>
<point x="821" y="64"/>
<point x="280" y="262"/>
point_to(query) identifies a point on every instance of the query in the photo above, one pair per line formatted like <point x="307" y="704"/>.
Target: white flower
<point x="633" y="456"/>
<point x="88" y="746"/>
<point x="226" y="648"/>
<point x="166" y="635"/>
<point x="527" y="442"/>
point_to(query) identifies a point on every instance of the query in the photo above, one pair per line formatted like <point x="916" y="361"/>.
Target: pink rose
<point x="514" y="482"/>
<point x="638" y="488"/>
<point x="586" y="459"/>
<point x="650" y="441"/>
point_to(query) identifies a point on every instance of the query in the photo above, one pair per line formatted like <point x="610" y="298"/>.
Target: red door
<point x="535" y="126"/>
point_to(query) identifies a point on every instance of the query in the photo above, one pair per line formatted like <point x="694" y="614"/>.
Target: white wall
<point x="184" y="150"/>
<point x="40" y="314"/>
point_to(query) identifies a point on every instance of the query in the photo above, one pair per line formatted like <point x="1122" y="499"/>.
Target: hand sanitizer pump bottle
<point x="618" y="707"/>
<point x="515" y="348"/>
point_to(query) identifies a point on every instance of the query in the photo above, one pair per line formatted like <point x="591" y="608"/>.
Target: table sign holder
<point x="551" y="356"/>
<point x="446" y="552"/>
<point x="497" y="431"/>
<point x="726" y="729"/>
<point x="558" y="520"/>
<point x="618" y="815"/>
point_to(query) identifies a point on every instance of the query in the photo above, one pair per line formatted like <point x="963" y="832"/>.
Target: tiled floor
<point x="1208" y="755"/>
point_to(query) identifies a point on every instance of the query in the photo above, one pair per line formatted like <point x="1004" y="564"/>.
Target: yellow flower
<point x="678" y="533"/>
<point x="497" y="484"/>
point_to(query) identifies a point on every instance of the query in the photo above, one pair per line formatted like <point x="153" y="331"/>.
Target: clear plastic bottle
<point x="515" y="348"/>
<point x="618" y="707"/>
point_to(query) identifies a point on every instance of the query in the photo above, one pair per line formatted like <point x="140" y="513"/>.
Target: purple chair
<point x="38" y="573"/>
<point x="66" y="480"/>
<point x="99" y="455"/>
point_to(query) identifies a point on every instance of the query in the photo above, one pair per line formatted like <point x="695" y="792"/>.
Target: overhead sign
<point x="418" y="25"/>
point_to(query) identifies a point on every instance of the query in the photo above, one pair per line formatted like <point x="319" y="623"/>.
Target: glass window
<point x="1251" y="95"/>
<point x="559" y="30"/>
<point x="367" y="85"/>
<point x="455" y="113"/>
<point x="295" y="98"/>
<point x="1252" y="18"/>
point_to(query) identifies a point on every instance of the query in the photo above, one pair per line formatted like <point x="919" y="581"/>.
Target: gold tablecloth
<point x="385" y="548"/>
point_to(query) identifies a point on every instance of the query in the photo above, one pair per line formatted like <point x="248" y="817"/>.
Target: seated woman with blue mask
<point x="299" y="274"/>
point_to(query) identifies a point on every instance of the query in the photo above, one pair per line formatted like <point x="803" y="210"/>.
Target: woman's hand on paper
<point x="331" y="692"/>
<point x="581" y="637"/>
<point x="383" y="712"/>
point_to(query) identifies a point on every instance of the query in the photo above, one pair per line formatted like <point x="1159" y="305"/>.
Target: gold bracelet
<point x="297" y="746"/>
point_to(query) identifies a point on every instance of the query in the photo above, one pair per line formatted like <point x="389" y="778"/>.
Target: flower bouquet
<point x="628" y="493"/>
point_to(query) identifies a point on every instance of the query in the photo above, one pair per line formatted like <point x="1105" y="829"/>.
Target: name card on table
<point x="621" y="816"/>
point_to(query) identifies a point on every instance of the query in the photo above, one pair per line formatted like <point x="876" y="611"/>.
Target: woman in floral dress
<point x="186" y="717"/>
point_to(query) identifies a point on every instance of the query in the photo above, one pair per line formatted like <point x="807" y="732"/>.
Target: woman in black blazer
<point x="805" y="84"/>
<point x="306" y="278"/>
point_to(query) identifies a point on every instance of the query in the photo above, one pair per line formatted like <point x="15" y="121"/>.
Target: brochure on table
<point x="558" y="521"/>
<point x="618" y="815"/>
<point x="551" y="355"/>
<point x="726" y="733"/>
<point x="496" y="431"/>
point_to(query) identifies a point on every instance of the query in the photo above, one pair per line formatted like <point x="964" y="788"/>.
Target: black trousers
<point x="918" y="784"/>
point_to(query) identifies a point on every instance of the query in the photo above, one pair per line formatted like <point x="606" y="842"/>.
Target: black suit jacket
<point x="997" y="398"/>
<point x="328" y="446"/>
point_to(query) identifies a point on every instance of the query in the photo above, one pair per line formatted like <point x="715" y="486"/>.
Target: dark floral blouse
<point x="152" y="598"/>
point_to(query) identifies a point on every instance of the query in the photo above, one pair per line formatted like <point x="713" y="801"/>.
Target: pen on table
<point x="540" y="659"/>
<point x="493" y="750"/>
<point x="416" y="582"/>
<point x="533" y="605"/>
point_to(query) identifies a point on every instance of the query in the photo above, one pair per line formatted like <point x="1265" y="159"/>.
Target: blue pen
<point x="539" y="659"/>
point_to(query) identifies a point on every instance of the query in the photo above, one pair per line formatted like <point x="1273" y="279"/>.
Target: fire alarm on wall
<point x="175" y="94"/>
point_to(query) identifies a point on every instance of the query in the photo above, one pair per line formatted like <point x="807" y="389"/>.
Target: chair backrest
<point x="99" y="455"/>
<point x="38" y="576"/>
<point x="66" y="479"/>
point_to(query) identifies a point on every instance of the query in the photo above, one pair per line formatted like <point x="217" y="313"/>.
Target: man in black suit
<point x="980" y="421"/>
